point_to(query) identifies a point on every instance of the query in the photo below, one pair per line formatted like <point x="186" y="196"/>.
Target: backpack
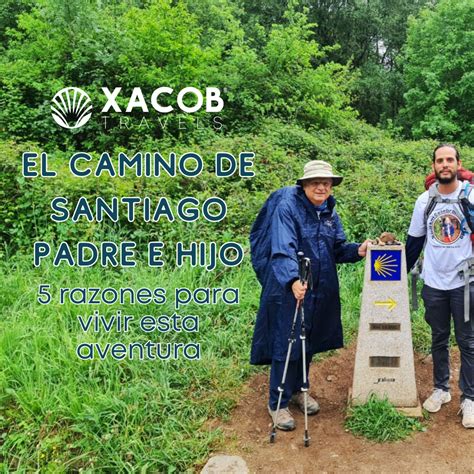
<point x="261" y="236"/>
<point x="463" y="175"/>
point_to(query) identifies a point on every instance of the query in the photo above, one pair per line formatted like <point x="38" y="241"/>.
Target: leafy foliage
<point x="288" y="91"/>
<point x="87" y="45"/>
<point x="439" y="65"/>
<point x="368" y="36"/>
<point x="383" y="177"/>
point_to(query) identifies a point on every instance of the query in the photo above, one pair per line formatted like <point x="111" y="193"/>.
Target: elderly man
<point x="296" y="219"/>
<point x="444" y="292"/>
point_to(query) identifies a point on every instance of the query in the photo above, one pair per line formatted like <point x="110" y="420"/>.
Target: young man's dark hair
<point x="441" y="145"/>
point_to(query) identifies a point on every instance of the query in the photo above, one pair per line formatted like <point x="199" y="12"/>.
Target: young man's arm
<point x="413" y="249"/>
<point x="416" y="233"/>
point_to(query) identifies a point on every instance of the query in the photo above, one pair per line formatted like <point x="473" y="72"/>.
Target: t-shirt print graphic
<point x="446" y="228"/>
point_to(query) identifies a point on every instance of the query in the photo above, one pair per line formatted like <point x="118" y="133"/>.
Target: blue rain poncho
<point x="287" y="224"/>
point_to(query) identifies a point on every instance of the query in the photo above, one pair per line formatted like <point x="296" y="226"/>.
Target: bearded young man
<point x="443" y="291"/>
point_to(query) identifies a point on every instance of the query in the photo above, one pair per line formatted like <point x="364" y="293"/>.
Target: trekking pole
<point x="291" y="340"/>
<point x="304" y="388"/>
<point x="304" y="271"/>
<point x="415" y="273"/>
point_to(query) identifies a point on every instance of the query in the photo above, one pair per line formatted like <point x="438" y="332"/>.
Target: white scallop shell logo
<point x="71" y="107"/>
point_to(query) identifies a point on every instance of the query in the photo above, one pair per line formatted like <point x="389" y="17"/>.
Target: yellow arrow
<point x="389" y="303"/>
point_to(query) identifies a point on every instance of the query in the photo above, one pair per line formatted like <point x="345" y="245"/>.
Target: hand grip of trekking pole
<point x="301" y="266"/>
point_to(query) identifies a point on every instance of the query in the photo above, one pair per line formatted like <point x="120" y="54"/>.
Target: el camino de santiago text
<point x="124" y="254"/>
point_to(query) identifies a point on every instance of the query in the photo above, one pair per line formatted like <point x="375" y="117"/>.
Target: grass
<point x="58" y="413"/>
<point x="378" y="420"/>
<point x="351" y="278"/>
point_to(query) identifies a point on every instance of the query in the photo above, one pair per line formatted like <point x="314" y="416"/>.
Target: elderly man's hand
<point x="363" y="248"/>
<point x="298" y="289"/>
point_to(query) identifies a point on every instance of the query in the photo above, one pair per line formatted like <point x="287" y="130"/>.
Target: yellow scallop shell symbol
<point x="385" y="265"/>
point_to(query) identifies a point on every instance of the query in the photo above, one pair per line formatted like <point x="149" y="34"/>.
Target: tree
<point x="368" y="35"/>
<point x="9" y="12"/>
<point x="92" y="45"/>
<point x="439" y="73"/>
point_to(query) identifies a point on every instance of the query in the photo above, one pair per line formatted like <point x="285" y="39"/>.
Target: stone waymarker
<point x="384" y="362"/>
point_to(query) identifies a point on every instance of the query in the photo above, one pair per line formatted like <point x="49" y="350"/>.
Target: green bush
<point x="382" y="179"/>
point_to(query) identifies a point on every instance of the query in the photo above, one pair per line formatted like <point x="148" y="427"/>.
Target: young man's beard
<point x="445" y="180"/>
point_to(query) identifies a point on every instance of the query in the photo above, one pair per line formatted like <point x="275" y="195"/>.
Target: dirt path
<point x="445" y="447"/>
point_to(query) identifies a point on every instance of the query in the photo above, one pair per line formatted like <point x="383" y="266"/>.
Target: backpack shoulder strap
<point x="465" y="190"/>
<point x="433" y="198"/>
<point x="466" y="206"/>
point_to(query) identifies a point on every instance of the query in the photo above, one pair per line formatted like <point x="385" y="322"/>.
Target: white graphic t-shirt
<point x="448" y="241"/>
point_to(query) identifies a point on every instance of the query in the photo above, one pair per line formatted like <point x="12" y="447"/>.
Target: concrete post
<point x="384" y="362"/>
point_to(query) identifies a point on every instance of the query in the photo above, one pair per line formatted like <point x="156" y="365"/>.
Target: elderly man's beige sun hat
<point x="319" y="169"/>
